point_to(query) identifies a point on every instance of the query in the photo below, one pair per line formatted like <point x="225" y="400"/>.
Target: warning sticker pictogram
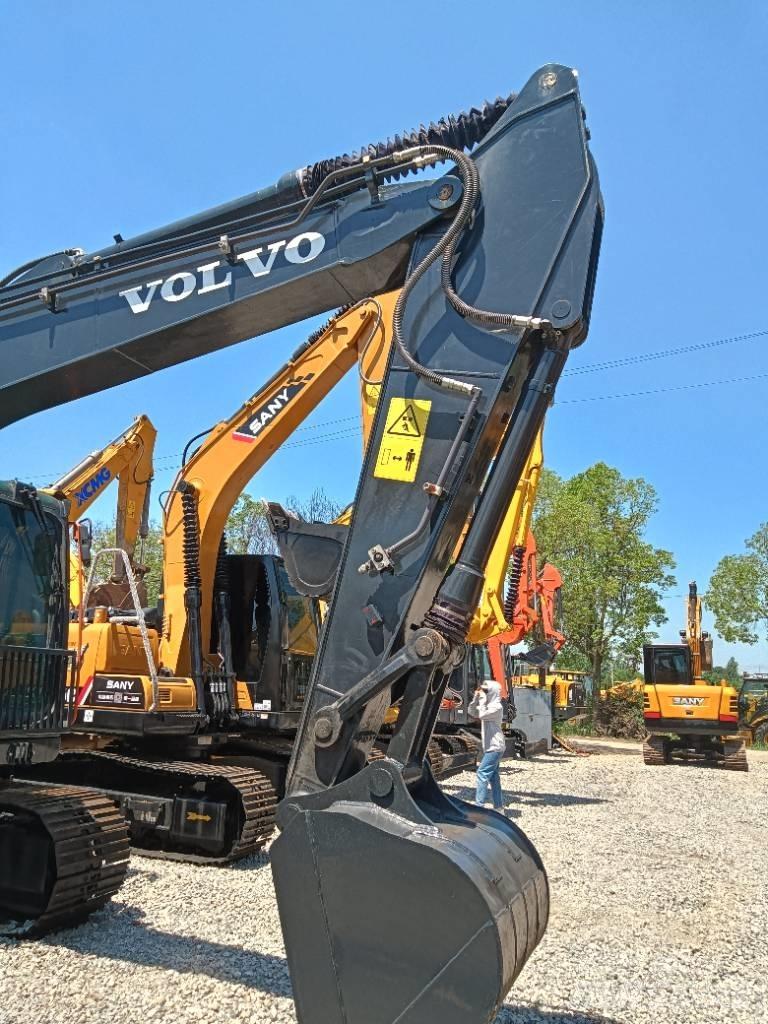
<point x="407" y="423"/>
<point x="400" y="448"/>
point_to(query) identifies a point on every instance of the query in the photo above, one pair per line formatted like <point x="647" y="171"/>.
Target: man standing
<point x="486" y="705"/>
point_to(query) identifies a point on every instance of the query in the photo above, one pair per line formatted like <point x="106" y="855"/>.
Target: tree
<point x="151" y="557"/>
<point x="592" y="528"/>
<point x="248" y="530"/>
<point x="730" y="672"/>
<point x="738" y="592"/>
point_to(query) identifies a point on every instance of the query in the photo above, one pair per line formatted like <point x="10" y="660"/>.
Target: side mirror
<point x="85" y="541"/>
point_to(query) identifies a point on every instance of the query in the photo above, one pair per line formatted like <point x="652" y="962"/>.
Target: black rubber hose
<point x="224" y="623"/>
<point x="190" y="522"/>
<point x="459" y="131"/>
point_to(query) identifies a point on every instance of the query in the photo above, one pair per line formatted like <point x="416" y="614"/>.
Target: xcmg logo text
<point x="88" y="490"/>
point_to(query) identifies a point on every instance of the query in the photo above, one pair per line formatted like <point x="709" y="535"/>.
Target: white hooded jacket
<point x="488" y="708"/>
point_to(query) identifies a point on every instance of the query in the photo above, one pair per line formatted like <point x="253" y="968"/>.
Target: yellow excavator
<point x="129" y="460"/>
<point x="187" y="713"/>
<point x="685" y="716"/>
<point x="496" y="263"/>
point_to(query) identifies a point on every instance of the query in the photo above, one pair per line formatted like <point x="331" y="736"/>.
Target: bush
<point x="620" y="712"/>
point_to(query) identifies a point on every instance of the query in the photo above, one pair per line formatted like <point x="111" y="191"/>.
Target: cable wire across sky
<point x="339" y="435"/>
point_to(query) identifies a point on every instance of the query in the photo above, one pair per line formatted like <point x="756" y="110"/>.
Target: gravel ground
<point x="659" y="910"/>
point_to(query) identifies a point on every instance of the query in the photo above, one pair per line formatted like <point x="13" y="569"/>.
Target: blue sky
<point x="122" y="117"/>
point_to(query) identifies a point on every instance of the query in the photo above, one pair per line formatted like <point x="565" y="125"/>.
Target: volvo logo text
<point x="210" y="277"/>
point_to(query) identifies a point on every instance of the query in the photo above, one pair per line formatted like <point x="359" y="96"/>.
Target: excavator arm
<point x="127" y="459"/>
<point x="331" y="233"/>
<point x="488" y="312"/>
<point x="512" y="565"/>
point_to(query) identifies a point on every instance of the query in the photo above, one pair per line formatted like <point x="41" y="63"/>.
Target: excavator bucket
<point x="460" y="901"/>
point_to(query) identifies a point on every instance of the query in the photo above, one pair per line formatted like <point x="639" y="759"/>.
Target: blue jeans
<point x="488" y="775"/>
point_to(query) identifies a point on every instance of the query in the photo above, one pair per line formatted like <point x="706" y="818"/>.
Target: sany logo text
<point x="298" y="250"/>
<point x="268" y="410"/>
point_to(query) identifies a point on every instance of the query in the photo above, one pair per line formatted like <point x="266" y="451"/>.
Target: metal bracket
<point x="49" y="298"/>
<point x="371" y="181"/>
<point x="425" y="647"/>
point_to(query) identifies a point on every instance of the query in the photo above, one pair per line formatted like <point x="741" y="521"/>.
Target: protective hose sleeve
<point x="459" y="131"/>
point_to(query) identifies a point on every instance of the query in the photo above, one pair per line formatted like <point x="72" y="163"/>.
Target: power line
<point x="591" y="368"/>
<point x="663" y="390"/>
<point x="645" y="357"/>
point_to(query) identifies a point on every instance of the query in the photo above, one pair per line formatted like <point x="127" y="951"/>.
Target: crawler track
<point x="67" y="854"/>
<point x="735" y="756"/>
<point x="251" y="798"/>
<point x="175" y="809"/>
<point x="435" y="758"/>
<point x="653" y="751"/>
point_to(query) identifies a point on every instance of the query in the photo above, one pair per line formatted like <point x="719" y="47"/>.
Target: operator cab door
<point x="274" y="638"/>
<point x="667" y="664"/>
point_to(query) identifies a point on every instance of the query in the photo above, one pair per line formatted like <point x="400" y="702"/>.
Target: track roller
<point x="735" y="756"/>
<point x="654" y="751"/>
<point x="63" y="854"/>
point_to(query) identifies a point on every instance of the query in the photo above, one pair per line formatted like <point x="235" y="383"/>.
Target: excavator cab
<point x="274" y="639"/>
<point x="62" y="854"/>
<point x="33" y="550"/>
<point x="668" y="663"/>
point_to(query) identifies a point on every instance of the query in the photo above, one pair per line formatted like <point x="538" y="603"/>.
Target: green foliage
<point x="738" y="592"/>
<point x="151" y="556"/>
<point x="729" y="671"/>
<point x="592" y="527"/>
<point x="248" y="530"/>
<point x="620" y="714"/>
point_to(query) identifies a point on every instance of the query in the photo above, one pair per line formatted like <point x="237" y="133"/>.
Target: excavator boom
<point x="462" y="384"/>
<point x="129" y="460"/>
<point x="331" y="233"/>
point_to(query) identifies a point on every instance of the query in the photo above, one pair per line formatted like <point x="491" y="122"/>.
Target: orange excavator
<point x="127" y="459"/>
<point x="518" y="601"/>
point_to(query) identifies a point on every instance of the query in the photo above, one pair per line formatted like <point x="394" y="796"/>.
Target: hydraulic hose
<point x="223" y="622"/>
<point x="456" y="131"/>
<point x="193" y="587"/>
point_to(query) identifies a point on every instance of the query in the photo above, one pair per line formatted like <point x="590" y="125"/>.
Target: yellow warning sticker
<point x="400" y="448"/>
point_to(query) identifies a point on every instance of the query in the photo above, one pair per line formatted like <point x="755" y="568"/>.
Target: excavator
<point x="496" y="263"/>
<point x="63" y="852"/>
<point x="517" y="601"/>
<point x="686" y="717"/>
<point x="129" y="460"/>
<point x="197" y="756"/>
<point x="753" y="708"/>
